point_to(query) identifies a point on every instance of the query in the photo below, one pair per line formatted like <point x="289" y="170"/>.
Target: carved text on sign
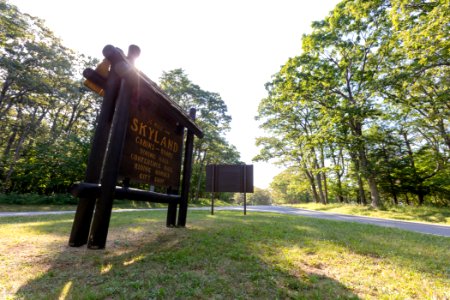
<point x="152" y="151"/>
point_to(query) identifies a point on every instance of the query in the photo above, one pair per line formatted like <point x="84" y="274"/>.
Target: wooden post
<point x="85" y="208"/>
<point x="173" y="206"/>
<point x="187" y="171"/>
<point x="100" y="223"/>
<point x="245" y="189"/>
<point x="171" y="212"/>
<point x="213" y="188"/>
<point x="102" y="215"/>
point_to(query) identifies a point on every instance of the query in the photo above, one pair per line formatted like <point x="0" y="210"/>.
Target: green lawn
<point x="118" y="204"/>
<point x="225" y="256"/>
<point x="428" y="214"/>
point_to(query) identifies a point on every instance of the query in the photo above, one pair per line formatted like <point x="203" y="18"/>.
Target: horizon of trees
<point x="363" y="112"/>
<point x="47" y="115"/>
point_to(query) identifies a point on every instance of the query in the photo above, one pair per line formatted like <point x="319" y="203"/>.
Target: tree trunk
<point x="374" y="195"/>
<point x="373" y="191"/>
<point x="319" y="185"/>
<point x="325" y="187"/>
<point x="4" y="90"/>
<point x="28" y="128"/>
<point x="54" y="128"/>
<point x="445" y="135"/>
<point x="9" y="144"/>
<point x="339" y="196"/>
<point x="421" y="195"/>
<point x="200" y="175"/>
<point x="324" y="175"/>
<point x="418" y="180"/>
<point x="14" y="161"/>
<point x="313" y="185"/>
<point x="394" y="196"/>
<point x="337" y="159"/>
<point x="361" y="192"/>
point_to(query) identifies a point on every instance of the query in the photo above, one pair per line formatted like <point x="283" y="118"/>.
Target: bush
<point x="32" y="199"/>
<point x="258" y="197"/>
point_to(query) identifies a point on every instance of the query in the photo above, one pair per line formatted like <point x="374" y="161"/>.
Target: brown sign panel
<point x="229" y="178"/>
<point x="153" y="144"/>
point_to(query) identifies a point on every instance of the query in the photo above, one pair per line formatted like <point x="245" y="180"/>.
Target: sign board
<point x="153" y="144"/>
<point x="229" y="178"/>
<point x="139" y="136"/>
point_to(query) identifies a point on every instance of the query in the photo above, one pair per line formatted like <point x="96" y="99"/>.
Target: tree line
<point x="363" y="112"/>
<point x="47" y="115"/>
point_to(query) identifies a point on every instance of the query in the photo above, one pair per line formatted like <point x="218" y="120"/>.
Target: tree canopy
<point x="47" y="116"/>
<point x="363" y="110"/>
<point x="212" y="117"/>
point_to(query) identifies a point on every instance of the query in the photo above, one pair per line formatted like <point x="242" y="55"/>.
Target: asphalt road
<point x="442" y="230"/>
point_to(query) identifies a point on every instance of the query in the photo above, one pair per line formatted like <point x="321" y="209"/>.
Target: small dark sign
<point x="153" y="143"/>
<point x="229" y="178"/>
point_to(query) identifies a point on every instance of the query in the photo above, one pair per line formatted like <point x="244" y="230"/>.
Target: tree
<point x="260" y="197"/>
<point x="290" y="186"/>
<point x="365" y="103"/>
<point x="42" y="100"/>
<point x="212" y="117"/>
<point x="416" y="82"/>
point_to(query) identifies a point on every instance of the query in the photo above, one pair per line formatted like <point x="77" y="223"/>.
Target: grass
<point x="427" y="214"/>
<point x="225" y="256"/>
<point x="118" y="204"/>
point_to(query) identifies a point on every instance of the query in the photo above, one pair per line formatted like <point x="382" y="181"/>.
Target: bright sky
<point x="229" y="47"/>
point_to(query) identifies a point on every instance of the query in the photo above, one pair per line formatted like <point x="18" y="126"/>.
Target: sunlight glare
<point x="133" y="260"/>
<point x="65" y="291"/>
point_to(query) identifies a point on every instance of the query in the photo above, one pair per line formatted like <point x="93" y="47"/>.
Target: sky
<point x="229" y="47"/>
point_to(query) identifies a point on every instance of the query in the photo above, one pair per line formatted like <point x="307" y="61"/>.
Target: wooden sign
<point x="153" y="144"/>
<point x="139" y="137"/>
<point x="229" y="178"/>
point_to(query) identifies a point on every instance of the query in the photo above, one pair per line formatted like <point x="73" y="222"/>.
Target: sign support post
<point x="212" y="191"/>
<point x="187" y="172"/>
<point x="102" y="215"/>
<point x="86" y="205"/>
<point x="244" y="172"/>
<point x="212" y="203"/>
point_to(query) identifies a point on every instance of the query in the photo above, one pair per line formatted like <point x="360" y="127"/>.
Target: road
<point x="442" y="230"/>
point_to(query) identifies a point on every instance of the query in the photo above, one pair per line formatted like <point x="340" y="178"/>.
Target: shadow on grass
<point x="214" y="257"/>
<point x="259" y="256"/>
<point x="436" y="217"/>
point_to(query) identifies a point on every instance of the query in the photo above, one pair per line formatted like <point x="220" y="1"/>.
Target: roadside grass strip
<point x="425" y="214"/>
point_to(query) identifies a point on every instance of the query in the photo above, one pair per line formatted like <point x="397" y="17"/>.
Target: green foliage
<point x="260" y="197"/>
<point x="51" y="167"/>
<point x="212" y="117"/>
<point x="290" y="187"/>
<point x="205" y="202"/>
<point x="36" y="199"/>
<point x="46" y="115"/>
<point x="363" y="111"/>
